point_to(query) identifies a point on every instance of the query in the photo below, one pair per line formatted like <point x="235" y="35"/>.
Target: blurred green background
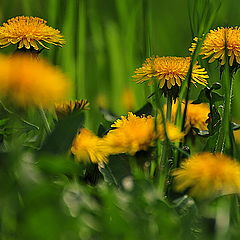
<point x="107" y="40"/>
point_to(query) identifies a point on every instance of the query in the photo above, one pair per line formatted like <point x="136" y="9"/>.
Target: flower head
<point x="169" y="71"/>
<point x="67" y="107"/>
<point x="208" y="175"/>
<point x="135" y="133"/>
<point x="197" y="115"/>
<point x="88" y="147"/>
<point x="28" y="32"/>
<point x="216" y="42"/>
<point x="28" y="81"/>
<point x="131" y="134"/>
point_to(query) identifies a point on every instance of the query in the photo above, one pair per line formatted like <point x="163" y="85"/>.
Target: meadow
<point x="119" y="119"/>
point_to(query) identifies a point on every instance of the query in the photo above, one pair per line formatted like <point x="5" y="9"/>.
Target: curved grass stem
<point x="45" y="121"/>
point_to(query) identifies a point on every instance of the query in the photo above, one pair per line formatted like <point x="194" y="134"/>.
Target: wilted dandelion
<point x="32" y="82"/>
<point x="135" y="133"/>
<point x="197" y="115"/>
<point x="28" y="32"/>
<point x="67" y="107"/>
<point x="215" y="43"/>
<point x="169" y="71"/>
<point x="88" y="147"/>
<point x="208" y="175"/>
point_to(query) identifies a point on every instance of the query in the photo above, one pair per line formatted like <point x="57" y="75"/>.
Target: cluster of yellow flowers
<point x="128" y="135"/>
<point x="28" y="80"/>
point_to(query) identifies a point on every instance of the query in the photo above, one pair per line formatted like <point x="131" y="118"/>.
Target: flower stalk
<point x="224" y="142"/>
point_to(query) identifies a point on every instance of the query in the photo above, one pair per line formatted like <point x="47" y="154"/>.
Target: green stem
<point x="222" y="218"/>
<point x="20" y="118"/>
<point x="164" y="166"/>
<point x="223" y="142"/>
<point x="169" y="109"/>
<point x="45" y="121"/>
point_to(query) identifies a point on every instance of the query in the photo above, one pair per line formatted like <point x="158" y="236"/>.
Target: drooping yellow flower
<point x="88" y="147"/>
<point x="67" y="107"/>
<point x="28" y="81"/>
<point x="135" y="133"/>
<point x="169" y="71"/>
<point x="197" y="115"/>
<point x="215" y="43"/>
<point x="28" y="32"/>
<point x="208" y="175"/>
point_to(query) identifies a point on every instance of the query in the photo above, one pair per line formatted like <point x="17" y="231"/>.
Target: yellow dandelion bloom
<point x="197" y="115"/>
<point x="208" y="175"/>
<point x="135" y="133"/>
<point x="131" y="134"/>
<point x="88" y="147"/>
<point x="28" y="32"/>
<point x="67" y="107"/>
<point x="215" y="42"/>
<point x="169" y="71"/>
<point x="28" y="81"/>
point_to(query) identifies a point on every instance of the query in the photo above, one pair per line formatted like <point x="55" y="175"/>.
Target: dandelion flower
<point x="197" y="115"/>
<point x="28" y="32"/>
<point x="135" y="133"/>
<point x="28" y="81"/>
<point x="216" y="42"/>
<point x="173" y="132"/>
<point x="67" y="107"/>
<point x="131" y="134"/>
<point x="208" y="175"/>
<point x="88" y="147"/>
<point x="169" y="71"/>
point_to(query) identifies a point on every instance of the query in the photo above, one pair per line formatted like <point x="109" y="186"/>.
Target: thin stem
<point x="20" y="118"/>
<point x="169" y="109"/>
<point x="222" y="218"/>
<point x="223" y="142"/>
<point x="164" y="166"/>
<point x="45" y="121"/>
